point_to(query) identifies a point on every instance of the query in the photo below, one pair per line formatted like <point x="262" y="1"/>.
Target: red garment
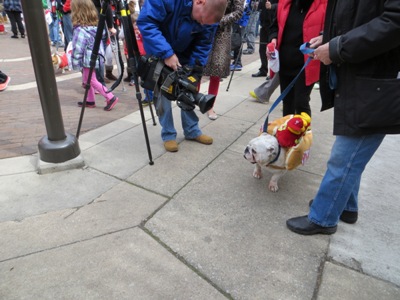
<point x="67" y="6"/>
<point x="63" y="61"/>
<point x="139" y="40"/>
<point x="139" y="43"/>
<point x="313" y="25"/>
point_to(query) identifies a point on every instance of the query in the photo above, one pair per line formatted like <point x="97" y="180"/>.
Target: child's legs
<point x="85" y="75"/>
<point x="100" y="88"/>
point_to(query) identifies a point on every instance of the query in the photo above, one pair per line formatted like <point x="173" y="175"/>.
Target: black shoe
<point x="14" y="36"/>
<point x="259" y="74"/>
<point x="23" y="36"/>
<point x="248" y="51"/>
<point x="349" y="217"/>
<point x="267" y="78"/>
<point x="303" y="225"/>
<point x="88" y="104"/>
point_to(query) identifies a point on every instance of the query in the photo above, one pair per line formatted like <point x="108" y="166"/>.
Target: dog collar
<point x="276" y="158"/>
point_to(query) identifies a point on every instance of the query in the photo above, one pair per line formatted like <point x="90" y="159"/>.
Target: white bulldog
<point x="264" y="150"/>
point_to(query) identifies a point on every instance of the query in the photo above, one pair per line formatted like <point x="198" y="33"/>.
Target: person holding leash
<point x="360" y="80"/>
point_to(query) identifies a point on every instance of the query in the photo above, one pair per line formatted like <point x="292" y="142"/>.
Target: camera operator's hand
<point x="172" y="62"/>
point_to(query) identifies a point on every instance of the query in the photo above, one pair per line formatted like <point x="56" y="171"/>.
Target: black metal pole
<point x="57" y="146"/>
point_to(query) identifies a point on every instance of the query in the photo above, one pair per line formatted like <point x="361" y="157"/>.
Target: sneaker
<point x="14" y="36"/>
<point x="248" y="51"/>
<point x="23" y="36"/>
<point x="132" y="83"/>
<point x="171" y="146"/>
<point x="4" y="85"/>
<point x="254" y="96"/>
<point x="111" y="103"/>
<point x="146" y="102"/>
<point x="236" y="67"/>
<point x="88" y="104"/>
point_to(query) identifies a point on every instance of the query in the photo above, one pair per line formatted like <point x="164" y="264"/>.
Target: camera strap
<point x="158" y="70"/>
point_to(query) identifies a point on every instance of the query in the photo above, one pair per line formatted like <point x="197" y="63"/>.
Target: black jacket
<point x="364" y="45"/>
<point x="267" y="16"/>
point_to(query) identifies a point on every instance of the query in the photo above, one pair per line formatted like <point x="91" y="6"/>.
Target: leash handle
<point x="304" y="48"/>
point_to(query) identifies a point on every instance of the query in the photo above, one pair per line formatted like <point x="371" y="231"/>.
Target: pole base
<point x="46" y="168"/>
<point x="58" y="151"/>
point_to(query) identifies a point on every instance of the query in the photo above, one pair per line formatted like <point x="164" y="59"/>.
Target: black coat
<point x="364" y="45"/>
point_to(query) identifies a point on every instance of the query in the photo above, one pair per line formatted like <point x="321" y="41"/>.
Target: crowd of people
<point x="355" y="51"/>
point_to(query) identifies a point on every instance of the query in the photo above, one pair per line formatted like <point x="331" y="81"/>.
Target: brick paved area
<point x="21" y="118"/>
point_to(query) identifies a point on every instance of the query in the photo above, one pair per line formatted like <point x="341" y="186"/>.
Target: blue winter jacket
<point x="12" y="5"/>
<point x="167" y="28"/>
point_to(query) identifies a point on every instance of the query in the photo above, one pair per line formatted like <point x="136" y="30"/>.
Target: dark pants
<point x="16" y="20"/>
<point x="263" y="49"/>
<point x="298" y="98"/>
<point x="237" y="52"/>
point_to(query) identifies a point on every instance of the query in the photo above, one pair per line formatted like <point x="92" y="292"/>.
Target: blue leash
<point x="305" y="50"/>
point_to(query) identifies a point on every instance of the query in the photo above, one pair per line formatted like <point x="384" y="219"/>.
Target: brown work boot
<point x="171" y="146"/>
<point x="203" y="139"/>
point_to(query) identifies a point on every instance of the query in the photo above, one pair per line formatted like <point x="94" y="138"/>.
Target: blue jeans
<point x="339" y="187"/>
<point x="251" y="30"/>
<point x="54" y="31"/>
<point x="67" y="28"/>
<point x="189" y="119"/>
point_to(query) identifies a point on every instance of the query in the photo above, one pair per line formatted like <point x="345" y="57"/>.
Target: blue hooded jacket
<point x="167" y="28"/>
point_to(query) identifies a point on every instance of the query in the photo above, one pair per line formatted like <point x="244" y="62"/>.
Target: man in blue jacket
<point x="181" y="33"/>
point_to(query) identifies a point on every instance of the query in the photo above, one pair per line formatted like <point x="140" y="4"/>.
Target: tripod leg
<point x="151" y="106"/>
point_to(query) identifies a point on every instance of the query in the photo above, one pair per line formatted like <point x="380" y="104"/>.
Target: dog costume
<point x="294" y="133"/>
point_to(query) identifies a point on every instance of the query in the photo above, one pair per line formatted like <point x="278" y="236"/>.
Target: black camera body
<point x="178" y="85"/>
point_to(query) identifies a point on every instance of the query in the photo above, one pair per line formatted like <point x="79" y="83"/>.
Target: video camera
<point x="180" y="85"/>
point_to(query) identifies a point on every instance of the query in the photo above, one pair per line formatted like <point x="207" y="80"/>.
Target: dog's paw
<point x="257" y="173"/>
<point x="273" y="186"/>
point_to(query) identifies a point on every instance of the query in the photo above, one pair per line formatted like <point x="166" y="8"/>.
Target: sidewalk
<point x="196" y="224"/>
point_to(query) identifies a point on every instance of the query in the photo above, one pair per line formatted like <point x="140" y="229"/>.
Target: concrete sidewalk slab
<point x="123" y="206"/>
<point x="233" y="230"/>
<point x="124" y="265"/>
<point x="340" y="283"/>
